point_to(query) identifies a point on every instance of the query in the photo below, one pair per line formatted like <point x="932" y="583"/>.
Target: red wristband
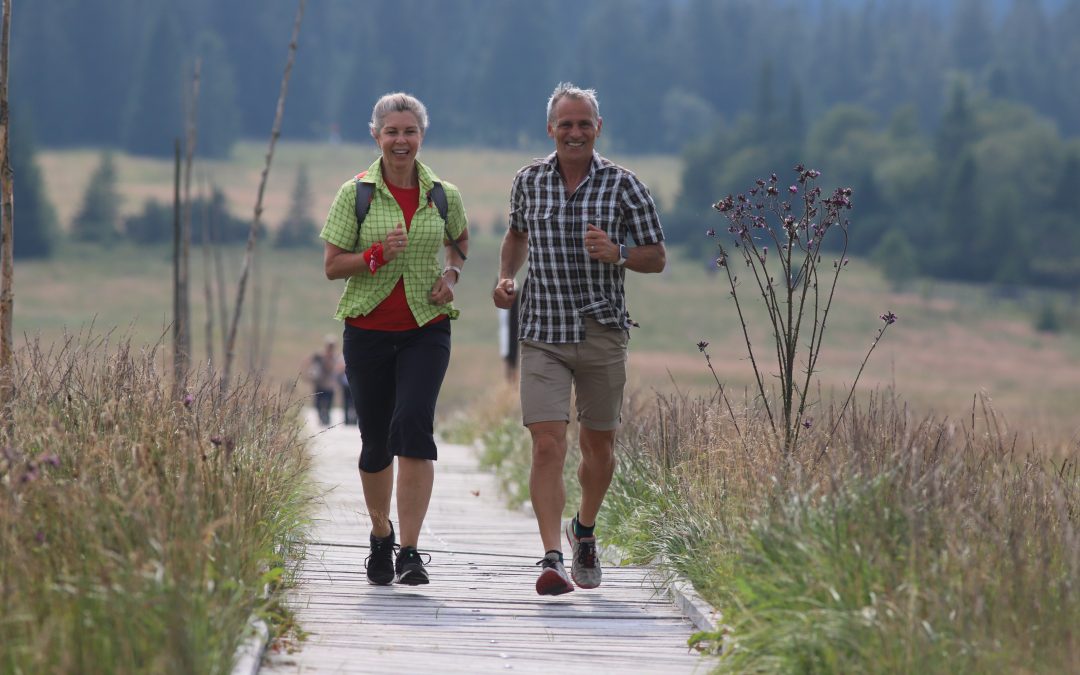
<point x="374" y="257"/>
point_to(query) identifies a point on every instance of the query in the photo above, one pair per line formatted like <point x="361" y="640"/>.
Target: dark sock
<point x="582" y="531"/>
<point x="555" y="551"/>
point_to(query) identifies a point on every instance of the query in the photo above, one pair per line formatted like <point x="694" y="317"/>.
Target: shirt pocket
<point x="538" y="211"/>
<point x="605" y="215"/>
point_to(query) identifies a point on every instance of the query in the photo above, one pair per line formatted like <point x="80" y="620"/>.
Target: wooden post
<point x="208" y="296"/>
<point x="179" y="326"/>
<point x="185" y="221"/>
<point x="219" y="275"/>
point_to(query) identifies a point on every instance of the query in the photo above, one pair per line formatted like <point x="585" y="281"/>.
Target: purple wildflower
<point x="808" y="422"/>
<point x="888" y="318"/>
<point x="793" y="189"/>
<point x="702" y="345"/>
<point x="188" y="400"/>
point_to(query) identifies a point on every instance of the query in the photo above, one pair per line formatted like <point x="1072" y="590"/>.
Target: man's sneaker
<point x="410" y="568"/>
<point x="380" y="562"/>
<point x="553" y="579"/>
<point x="585" y="568"/>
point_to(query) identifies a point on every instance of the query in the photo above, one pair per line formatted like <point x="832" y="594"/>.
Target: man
<point x="571" y="216"/>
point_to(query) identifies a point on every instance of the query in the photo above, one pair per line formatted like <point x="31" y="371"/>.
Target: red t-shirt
<point x="393" y="313"/>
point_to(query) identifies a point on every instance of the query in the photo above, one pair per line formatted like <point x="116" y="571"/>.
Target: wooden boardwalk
<point x="481" y="613"/>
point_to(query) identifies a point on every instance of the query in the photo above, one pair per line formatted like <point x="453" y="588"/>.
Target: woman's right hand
<point x="395" y="243"/>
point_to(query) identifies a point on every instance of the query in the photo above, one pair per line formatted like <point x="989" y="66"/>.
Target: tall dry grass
<point x="138" y="532"/>
<point x="904" y="545"/>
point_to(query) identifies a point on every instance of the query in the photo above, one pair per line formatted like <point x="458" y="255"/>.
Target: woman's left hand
<point x="443" y="291"/>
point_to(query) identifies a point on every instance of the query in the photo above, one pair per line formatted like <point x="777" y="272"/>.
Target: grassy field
<point x="950" y="343"/>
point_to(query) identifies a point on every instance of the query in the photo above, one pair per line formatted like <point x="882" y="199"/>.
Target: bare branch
<point x="230" y="345"/>
<point x="7" y="234"/>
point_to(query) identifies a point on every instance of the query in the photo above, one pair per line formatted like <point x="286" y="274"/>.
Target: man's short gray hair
<point x="568" y="90"/>
<point x="398" y="102"/>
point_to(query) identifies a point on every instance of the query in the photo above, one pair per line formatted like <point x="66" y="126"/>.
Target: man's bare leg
<point x="546" y="487"/>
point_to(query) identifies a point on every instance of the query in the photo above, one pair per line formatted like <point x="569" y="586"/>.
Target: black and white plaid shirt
<point x="564" y="284"/>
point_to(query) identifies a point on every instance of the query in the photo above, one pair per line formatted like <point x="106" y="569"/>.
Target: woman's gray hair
<point x="568" y="90"/>
<point x="398" y="102"/>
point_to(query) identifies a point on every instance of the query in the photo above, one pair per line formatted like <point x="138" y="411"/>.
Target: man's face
<point x="574" y="130"/>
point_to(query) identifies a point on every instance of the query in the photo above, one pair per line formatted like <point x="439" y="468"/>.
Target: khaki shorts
<point x="595" y="367"/>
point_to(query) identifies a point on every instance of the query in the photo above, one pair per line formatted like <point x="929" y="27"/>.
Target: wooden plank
<point x="481" y="612"/>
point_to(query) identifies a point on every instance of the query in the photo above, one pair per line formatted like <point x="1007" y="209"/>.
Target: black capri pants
<point x="395" y="378"/>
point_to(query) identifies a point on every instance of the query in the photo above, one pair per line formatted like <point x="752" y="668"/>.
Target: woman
<point x="396" y="308"/>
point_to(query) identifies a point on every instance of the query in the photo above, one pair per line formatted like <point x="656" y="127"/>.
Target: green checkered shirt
<point x="419" y="263"/>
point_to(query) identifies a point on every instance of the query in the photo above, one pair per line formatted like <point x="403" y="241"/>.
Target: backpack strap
<point x="437" y="195"/>
<point x="365" y="192"/>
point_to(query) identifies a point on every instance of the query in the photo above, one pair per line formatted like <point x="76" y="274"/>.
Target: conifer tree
<point x="99" y="216"/>
<point x="155" y="107"/>
<point x="36" y="234"/>
<point x="957" y="128"/>
<point x="298" y="229"/>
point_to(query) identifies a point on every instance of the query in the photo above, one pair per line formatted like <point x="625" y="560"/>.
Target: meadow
<point x="951" y="343"/>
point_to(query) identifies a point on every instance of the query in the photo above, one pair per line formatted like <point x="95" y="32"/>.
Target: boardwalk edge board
<point x="680" y="591"/>
<point x="249" y="652"/>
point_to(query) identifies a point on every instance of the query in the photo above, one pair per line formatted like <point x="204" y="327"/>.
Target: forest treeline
<point x="114" y="72"/>
<point x="952" y="120"/>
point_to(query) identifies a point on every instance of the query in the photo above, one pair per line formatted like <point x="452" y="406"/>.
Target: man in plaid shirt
<point x="572" y="216"/>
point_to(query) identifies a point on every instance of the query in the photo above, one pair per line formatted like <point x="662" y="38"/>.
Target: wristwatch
<point x="623" y="254"/>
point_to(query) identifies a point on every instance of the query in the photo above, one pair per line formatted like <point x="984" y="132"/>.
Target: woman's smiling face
<point x="399" y="139"/>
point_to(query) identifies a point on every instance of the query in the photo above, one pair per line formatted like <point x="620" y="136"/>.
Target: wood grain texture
<point x="481" y="613"/>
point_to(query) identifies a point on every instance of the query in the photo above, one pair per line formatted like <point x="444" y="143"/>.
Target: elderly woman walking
<point x="396" y="307"/>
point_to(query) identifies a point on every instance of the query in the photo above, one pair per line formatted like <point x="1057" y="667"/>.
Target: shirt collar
<point x="426" y="176"/>
<point x="597" y="163"/>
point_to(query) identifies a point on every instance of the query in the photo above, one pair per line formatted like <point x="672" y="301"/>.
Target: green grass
<point x="139" y="529"/>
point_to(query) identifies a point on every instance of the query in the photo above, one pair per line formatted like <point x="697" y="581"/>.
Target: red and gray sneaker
<point x="553" y="579"/>
<point x="585" y="567"/>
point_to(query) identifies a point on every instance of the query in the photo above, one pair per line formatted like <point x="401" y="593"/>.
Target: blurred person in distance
<point x="320" y="372"/>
